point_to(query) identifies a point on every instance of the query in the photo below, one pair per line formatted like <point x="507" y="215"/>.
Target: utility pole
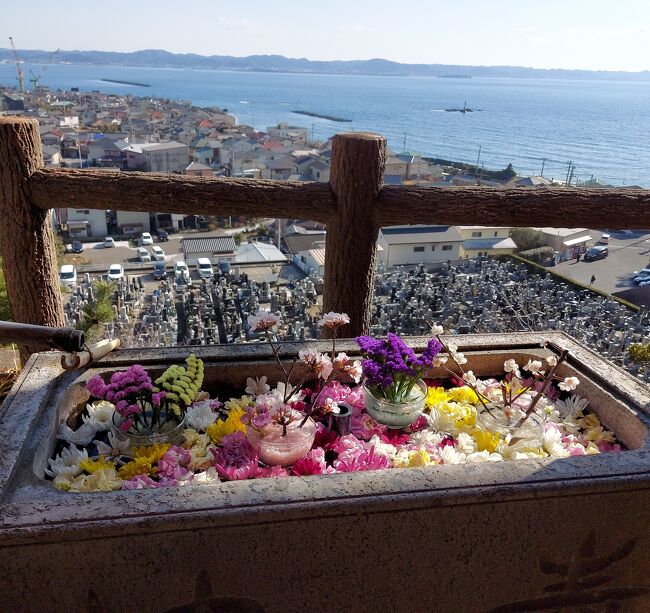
<point x="404" y="147"/>
<point x="478" y="159"/>
<point x="541" y="174"/>
<point x="569" y="173"/>
<point x="312" y="133"/>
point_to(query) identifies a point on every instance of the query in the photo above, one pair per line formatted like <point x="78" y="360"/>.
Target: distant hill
<point x="156" y="58"/>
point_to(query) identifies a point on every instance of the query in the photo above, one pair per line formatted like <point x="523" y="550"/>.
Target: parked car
<point x="640" y="276"/>
<point x="605" y="238"/>
<point x="146" y="239"/>
<point x="115" y="272"/>
<point x="68" y="275"/>
<point x="157" y="253"/>
<point x="163" y="236"/>
<point x="159" y="271"/>
<point x="597" y="252"/>
<point x="204" y="266"/>
<point x="224" y="266"/>
<point x="181" y="270"/>
<point x="143" y="255"/>
<point x="109" y="242"/>
<point x="77" y="247"/>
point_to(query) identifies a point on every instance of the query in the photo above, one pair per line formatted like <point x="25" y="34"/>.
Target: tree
<point x="527" y="238"/>
<point x="99" y="310"/>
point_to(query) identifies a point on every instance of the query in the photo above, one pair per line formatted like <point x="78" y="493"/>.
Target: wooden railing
<point x="354" y="205"/>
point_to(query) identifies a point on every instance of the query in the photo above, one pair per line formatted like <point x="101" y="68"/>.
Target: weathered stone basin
<point x="528" y="535"/>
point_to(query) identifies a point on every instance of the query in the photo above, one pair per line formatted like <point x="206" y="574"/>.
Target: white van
<point x="204" y="266"/>
<point x="143" y="255"/>
<point x="68" y="275"/>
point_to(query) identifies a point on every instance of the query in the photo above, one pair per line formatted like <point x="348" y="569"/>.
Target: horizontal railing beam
<point x="550" y="207"/>
<point x="169" y="193"/>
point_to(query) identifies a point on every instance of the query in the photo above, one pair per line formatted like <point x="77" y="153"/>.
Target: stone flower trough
<point x="536" y="534"/>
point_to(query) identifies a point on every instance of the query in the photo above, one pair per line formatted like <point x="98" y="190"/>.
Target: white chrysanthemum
<point x="426" y="438"/>
<point x="199" y="416"/>
<point x="553" y="443"/>
<point x="386" y="449"/>
<point x="440" y="420"/>
<point x="449" y="455"/>
<point x="465" y="443"/>
<point x="483" y="456"/>
<point x="115" y="446"/>
<point x="571" y="406"/>
<point x="256" y="387"/>
<point x="100" y="415"/>
<point x="81" y="436"/>
<point x="67" y="462"/>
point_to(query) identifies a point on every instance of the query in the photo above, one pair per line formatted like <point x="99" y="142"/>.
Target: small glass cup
<point x="396" y="415"/>
<point x="275" y="449"/>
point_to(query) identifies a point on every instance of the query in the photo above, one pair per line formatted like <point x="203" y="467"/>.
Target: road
<point x="628" y="251"/>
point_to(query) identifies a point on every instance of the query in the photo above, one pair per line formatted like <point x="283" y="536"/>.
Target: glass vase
<point x="274" y="448"/>
<point x="168" y="432"/>
<point x="509" y="427"/>
<point x="396" y="415"/>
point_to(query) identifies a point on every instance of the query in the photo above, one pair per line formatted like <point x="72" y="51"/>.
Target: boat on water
<point x="465" y="109"/>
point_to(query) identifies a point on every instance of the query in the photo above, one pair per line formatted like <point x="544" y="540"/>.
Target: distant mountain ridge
<point x="156" y="58"/>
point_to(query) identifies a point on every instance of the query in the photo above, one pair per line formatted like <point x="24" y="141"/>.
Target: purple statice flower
<point x="157" y="398"/>
<point x="372" y="347"/>
<point x="434" y="346"/>
<point x="361" y="460"/>
<point x="236" y="458"/>
<point x="126" y="424"/>
<point x="96" y="386"/>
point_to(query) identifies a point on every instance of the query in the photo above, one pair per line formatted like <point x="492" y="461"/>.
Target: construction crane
<point x="35" y="78"/>
<point x="19" y="68"/>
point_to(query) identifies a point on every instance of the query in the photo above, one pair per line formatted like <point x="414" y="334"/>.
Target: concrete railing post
<point x="26" y="236"/>
<point x="356" y="179"/>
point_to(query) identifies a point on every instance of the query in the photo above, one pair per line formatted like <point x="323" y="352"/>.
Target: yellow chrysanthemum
<point x="464" y="414"/>
<point x="90" y="466"/>
<point x="463" y="394"/>
<point x="486" y="441"/>
<point x="220" y="428"/>
<point x="139" y="466"/>
<point x="103" y="480"/>
<point x="419" y="458"/>
<point x="151" y="453"/>
<point x="435" y="396"/>
<point x="239" y="403"/>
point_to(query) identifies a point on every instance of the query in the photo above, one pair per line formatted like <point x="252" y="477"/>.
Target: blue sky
<point x="588" y="34"/>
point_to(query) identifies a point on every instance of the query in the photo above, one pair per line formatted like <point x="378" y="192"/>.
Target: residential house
<point x="133" y="222"/>
<point x="319" y="171"/>
<point x="165" y="157"/>
<point x="196" y="169"/>
<point x="479" y="241"/>
<point x="311" y="262"/>
<point x="51" y="155"/>
<point x="104" y="152"/>
<point x="294" y="134"/>
<point x="295" y="243"/>
<point x="213" y="247"/>
<point x="567" y="242"/>
<point x="259" y="253"/>
<point x="397" y="166"/>
<point x="84" y="223"/>
<point x="280" y="169"/>
<point x="418" y="244"/>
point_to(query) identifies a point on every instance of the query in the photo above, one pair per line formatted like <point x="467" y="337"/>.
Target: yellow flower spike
<point x="139" y="466"/>
<point x="90" y="466"/>
<point x="152" y="453"/>
<point x="486" y="441"/>
<point x="419" y="458"/>
<point x="435" y="396"/>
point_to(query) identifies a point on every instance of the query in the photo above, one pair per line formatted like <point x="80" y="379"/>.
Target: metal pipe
<point x="64" y="339"/>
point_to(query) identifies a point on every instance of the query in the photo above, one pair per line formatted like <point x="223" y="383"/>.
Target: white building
<point x="418" y="244"/>
<point x="86" y="223"/>
<point x="133" y="222"/>
<point x="165" y="157"/>
<point x="259" y="253"/>
<point x="566" y="241"/>
<point x="311" y="262"/>
<point x="481" y="241"/>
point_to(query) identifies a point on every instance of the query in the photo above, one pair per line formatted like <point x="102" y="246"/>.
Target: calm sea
<point x="602" y="126"/>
